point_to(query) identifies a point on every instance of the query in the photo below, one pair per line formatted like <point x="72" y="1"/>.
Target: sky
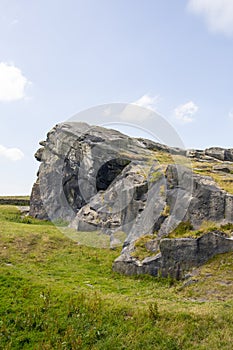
<point x="59" y="57"/>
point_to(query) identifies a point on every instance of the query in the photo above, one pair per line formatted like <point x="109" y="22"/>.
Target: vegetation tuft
<point x="182" y="230"/>
<point x="141" y="250"/>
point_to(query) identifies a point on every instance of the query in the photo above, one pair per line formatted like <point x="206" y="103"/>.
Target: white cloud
<point x="147" y="101"/>
<point x="12" y="83"/>
<point x="132" y="113"/>
<point x="218" y="14"/>
<point x="185" y="112"/>
<point x="11" y="153"/>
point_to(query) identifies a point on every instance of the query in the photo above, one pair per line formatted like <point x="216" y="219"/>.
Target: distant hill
<point x="15" y="200"/>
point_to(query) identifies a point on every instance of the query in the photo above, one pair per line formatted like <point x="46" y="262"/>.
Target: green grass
<point x="141" y="252"/>
<point x="15" y="197"/>
<point x="58" y="294"/>
<point x="223" y="180"/>
<point x="15" y="200"/>
<point x="185" y="229"/>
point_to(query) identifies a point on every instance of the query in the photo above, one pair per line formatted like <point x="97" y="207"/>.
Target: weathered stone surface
<point x="78" y="161"/>
<point x="39" y="154"/>
<point x="128" y="265"/>
<point x="216" y="152"/>
<point x="177" y="256"/>
<point x="180" y="255"/>
<point x="229" y="154"/>
<point x="194" y="153"/>
<point x="205" y="201"/>
<point x="220" y="153"/>
<point x="228" y="208"/>
<point x="127" y="205"/>
<point x="224" y="168"/>
<point x="155" y="146"/>
<point x="100" y="179"/>
<point x="36" y="205"/>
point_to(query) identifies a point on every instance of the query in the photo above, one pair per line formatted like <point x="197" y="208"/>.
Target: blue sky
<point x="60" y="57"/>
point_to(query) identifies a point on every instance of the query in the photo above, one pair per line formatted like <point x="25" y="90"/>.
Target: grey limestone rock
<point x="177" y="256"/>
<point x="220" y="153"/>
<point x="224" y="168"/>
<point x="99" y="179"/>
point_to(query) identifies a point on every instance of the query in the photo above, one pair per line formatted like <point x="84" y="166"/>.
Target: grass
<point x="223" y="180"/>
<point x="141" y="251"/>
<point x="185" y="229"/>
<point x="15" y="200"/>
<point x="57" y="294"/>
<point x="15" y="197"/>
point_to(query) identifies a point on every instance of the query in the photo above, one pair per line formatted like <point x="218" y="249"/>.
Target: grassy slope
<point x="56" y="294"/>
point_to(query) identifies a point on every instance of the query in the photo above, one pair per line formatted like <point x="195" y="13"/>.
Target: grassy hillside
<point x="57" y="294"/>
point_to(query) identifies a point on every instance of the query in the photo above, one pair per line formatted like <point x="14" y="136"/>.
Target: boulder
<point x="223" y="168"/>
<point x="176" y="256"/>
<point x="216" y="152"/>
<point x="220" y="153"/>
<point x="199" y="197"/>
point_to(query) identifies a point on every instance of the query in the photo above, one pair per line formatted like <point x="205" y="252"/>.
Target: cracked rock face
<point x="99" y="179"/>
<point x="77" y="162"/>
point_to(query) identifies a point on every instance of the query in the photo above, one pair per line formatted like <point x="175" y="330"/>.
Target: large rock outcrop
<point x="79" y="161"/>
<point x="99" y="179"/>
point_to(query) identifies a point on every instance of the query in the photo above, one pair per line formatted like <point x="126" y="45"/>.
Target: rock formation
<point x="99" y="179"/>
<point x="176" y="256"/>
